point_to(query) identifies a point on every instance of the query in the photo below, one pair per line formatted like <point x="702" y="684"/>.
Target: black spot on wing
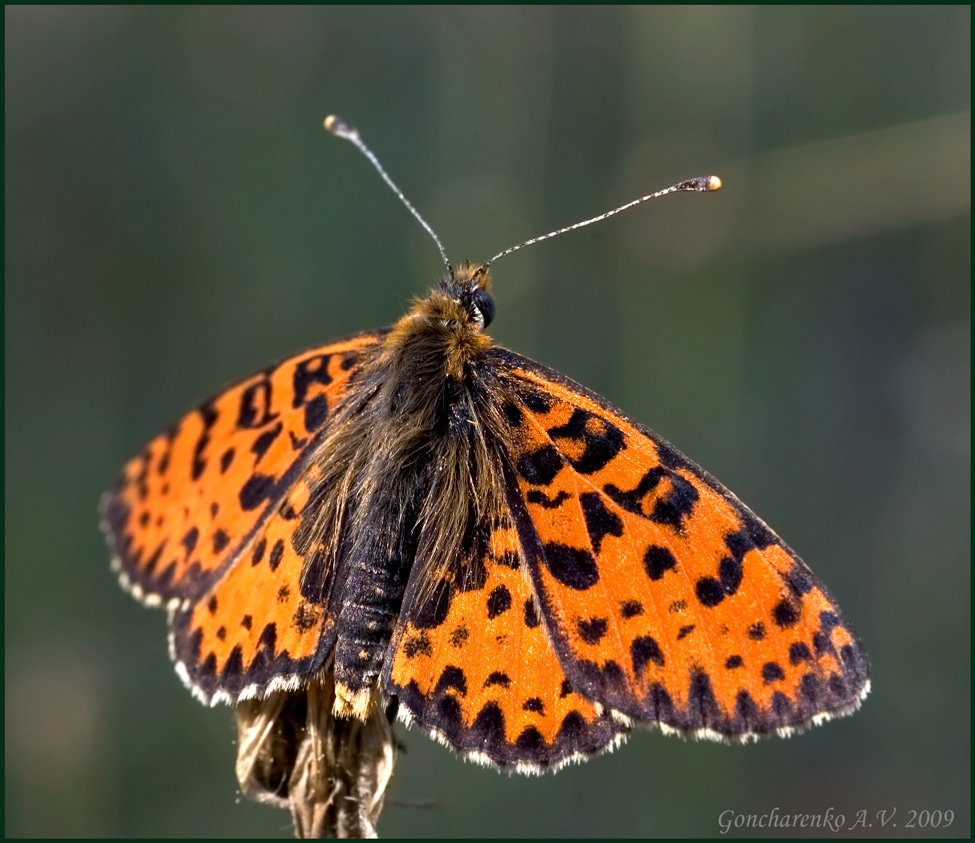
<point x="264" y="441"/>
<point x="657" y="561"/>
<point x="499" y="601"/>
<point x="307" y="373"/>
<point x="592" y="631"/>
<point x="600" y="440"/>
<point x="277" y="554"/>
<point x="458" y="638"/>
<point x="535" y="401"/>
<point x="709" y="591"/>
<point x="747" y="715"/>
<point x="497" y="678"/>
<point x="539" y="467"/>
<point x="488" y="728"/>
<point x="761" y="536"/>
<point x="220" y="540"/>
<point x="671" y="458"/>
<point x="208" y="414"/>
<point x="256" y="490"/>
<point x="233" y="670"/>
<point x="510" y="559"/>
<point x="304" y="618"/>
<point x="738" y="544"/>
<point x="316" y="413"/>
<point x="678" y="504"/>
<point x="821" y="644"/>
<point x="670" y="505"/>
<point x="417" y="645"/>
<point x="163" y="466"/>
<point x="799" y="652"/>
<point x="643" y="650"/>
<point x="799" y="580"/>
<point x="703" y="710"/>
<point x="451" y="677"/>
<point x="254" y="410"/>
<point x="543" y="500"/>
<point x="572" y="566"/>
<point x="600" y="521"/>
<point x="785" y="613"/>
<point x="828" y="621"/>
<point x="631" y="609"/>
<point x="729" y="575"/>
<point x="189" y="540"/>
<point x="811" y="694"/>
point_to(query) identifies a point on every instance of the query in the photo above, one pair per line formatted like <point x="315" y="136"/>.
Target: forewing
<point x="665" y="598"/>
<point x="194" y="499"/>
<point x="472" y="665"/>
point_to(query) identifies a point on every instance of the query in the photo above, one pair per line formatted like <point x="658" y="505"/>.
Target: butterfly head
<point x="447" y="325"/>
<point x="468" y="287"/>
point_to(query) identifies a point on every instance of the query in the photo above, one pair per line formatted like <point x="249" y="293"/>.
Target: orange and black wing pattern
<point x="470" y="662"/>
<point x="203" y="519"/>
<point x="255" y="631"/>
<point x="666" y="600"/>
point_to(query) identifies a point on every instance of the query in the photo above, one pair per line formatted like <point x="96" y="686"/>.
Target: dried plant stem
<point x="332" y="773"/>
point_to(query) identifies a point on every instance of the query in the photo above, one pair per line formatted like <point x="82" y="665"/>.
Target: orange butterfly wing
<point x="204" y="520"/>
<point x="184" y="509"/>
<point x="474" y="666"/>
<point x="254" y="631"/>
<point x="664" y="597"/>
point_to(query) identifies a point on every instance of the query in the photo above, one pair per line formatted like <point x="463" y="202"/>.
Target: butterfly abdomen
<point x="377" y="566"/>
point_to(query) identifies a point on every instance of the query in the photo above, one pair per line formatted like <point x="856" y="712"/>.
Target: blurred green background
<point x="176" y="217"/>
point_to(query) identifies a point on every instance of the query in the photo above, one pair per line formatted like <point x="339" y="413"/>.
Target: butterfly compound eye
<point x="484" y="304"/>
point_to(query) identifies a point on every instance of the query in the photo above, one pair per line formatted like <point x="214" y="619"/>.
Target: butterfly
<point x="423" y="516"/>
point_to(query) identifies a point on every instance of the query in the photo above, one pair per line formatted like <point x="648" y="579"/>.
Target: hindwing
<point x="665" y="598"/>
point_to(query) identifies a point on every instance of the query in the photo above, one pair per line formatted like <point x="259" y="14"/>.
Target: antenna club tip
<point x="337" y="126"/>
<point x="714" y="183"/>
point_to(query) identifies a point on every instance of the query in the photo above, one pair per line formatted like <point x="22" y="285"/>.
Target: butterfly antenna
<point x="705" y="184"/>
<point x="337" y="126"/>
